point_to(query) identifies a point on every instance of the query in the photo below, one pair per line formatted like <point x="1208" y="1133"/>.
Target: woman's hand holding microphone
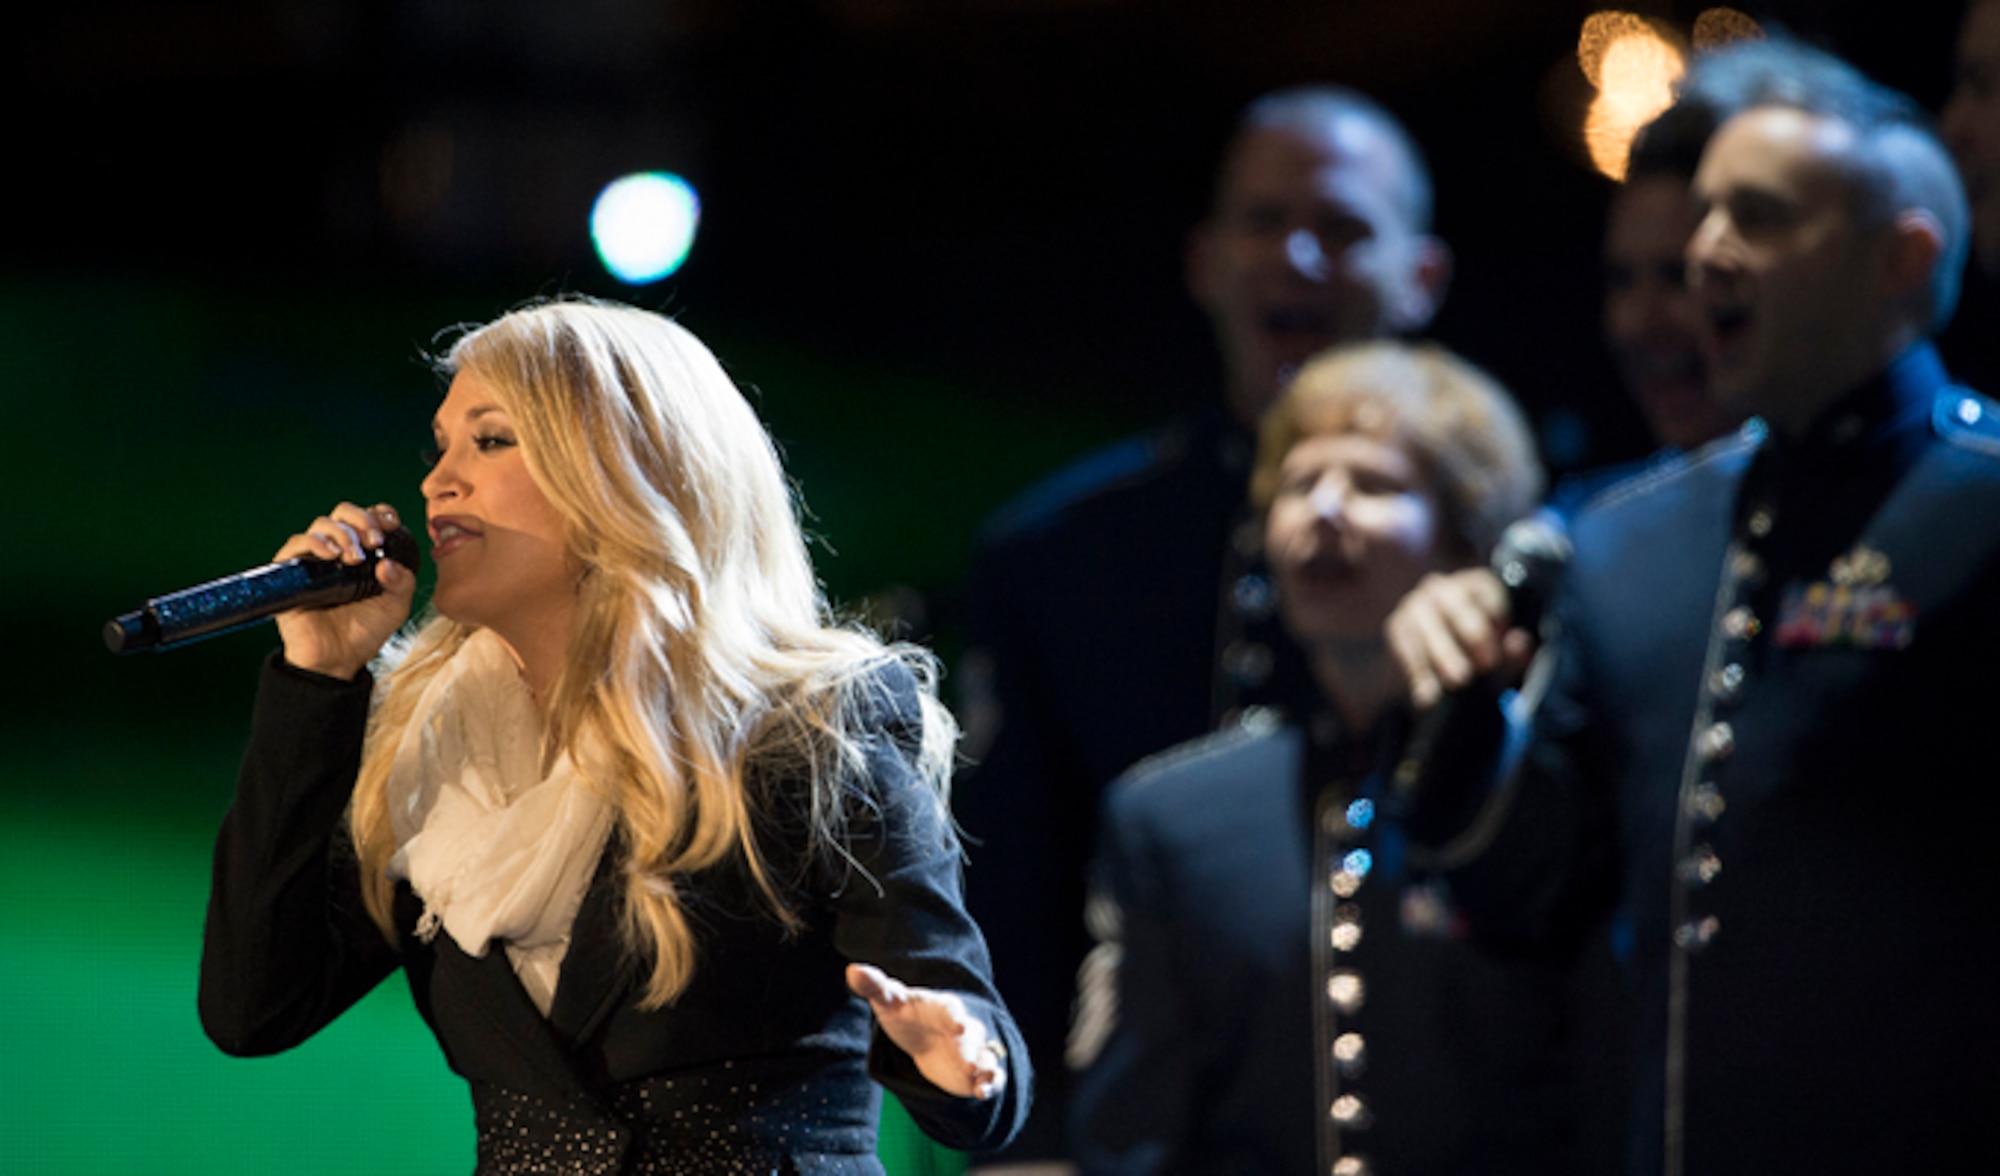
<point x="340" y="642"/>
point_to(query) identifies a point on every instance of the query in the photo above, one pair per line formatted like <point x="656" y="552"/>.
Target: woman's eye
<point x="430" y="455"/>
<point x="484" y="444"/>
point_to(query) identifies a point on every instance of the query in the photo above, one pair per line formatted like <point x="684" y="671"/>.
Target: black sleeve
<point x="900" y="909"/>
<point x="287" y="946"/>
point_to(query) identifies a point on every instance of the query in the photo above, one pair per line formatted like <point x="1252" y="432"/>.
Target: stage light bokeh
<point x="643" y="226"/>
<point x="1719" y="26"/>
<point x="1634" y="64"/>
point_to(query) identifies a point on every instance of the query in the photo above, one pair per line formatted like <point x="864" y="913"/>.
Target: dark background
<point x="941" y="240"/>
<point x="941" y="243"/>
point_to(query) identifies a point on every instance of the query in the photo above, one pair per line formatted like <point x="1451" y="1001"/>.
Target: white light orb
<point x="643" y="225"/>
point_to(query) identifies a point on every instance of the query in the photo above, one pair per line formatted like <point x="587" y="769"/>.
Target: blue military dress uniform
<point x="1771" y="728"/>
<point x="1290" y="996"/>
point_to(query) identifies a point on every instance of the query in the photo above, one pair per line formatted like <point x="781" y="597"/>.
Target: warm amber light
<point x="1634" y="65"/>
<point x="1600" y="30"/>
<point x="1719" y="26"/>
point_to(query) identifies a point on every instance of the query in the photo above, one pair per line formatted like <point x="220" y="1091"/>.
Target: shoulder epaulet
<point x="1255" y="723"/>
<point x="1966" y="418"/>
<point x="1721" y="450"/>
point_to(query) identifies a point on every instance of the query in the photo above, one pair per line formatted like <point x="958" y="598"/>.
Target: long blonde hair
<point x="703" y="646"/>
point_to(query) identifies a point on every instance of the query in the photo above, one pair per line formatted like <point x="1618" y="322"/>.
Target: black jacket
<point x="763" y="1061"/>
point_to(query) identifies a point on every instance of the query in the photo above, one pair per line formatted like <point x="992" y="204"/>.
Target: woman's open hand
<point x="951" y="1047"/>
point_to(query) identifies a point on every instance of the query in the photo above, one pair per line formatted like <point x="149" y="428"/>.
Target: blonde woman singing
<point x="662" y="852"/>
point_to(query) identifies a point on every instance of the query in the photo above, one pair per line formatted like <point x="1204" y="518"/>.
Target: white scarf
<point x="494" y="849"/>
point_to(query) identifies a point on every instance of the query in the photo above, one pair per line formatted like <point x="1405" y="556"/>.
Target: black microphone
<point x="1528" y="560"/>
<point x="247" y="597"/>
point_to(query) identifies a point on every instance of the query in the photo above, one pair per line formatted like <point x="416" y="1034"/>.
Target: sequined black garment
<point x="692" y="1125"/>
